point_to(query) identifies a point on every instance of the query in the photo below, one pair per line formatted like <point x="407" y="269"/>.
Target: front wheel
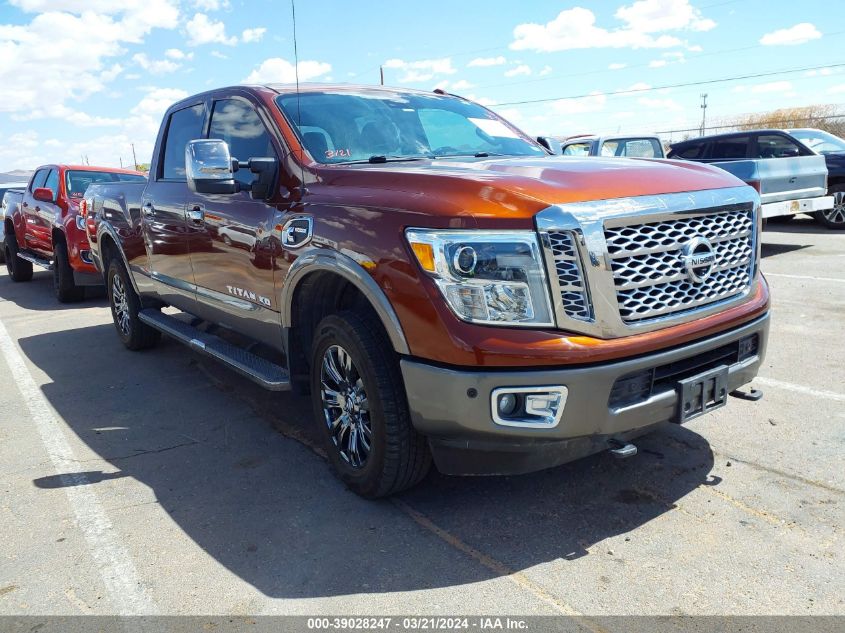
<point x="834" y="218"/>
<point x="125" y="305"/>
<point x="64" y="288"/>
<point x="360" y="405"/>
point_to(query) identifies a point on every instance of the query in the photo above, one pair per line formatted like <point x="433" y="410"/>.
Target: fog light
<point x="532" y="407"/>
<point x="507" y="404"/>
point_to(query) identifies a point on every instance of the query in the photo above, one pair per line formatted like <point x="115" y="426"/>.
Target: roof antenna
<point x="298" y="105"/>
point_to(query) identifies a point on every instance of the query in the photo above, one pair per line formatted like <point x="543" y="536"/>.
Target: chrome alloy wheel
<point x="836" y="215"/>
<point x="120" y="303"/>
<point x="345" y="406"/>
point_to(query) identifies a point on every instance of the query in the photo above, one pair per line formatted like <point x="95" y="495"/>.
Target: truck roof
<point x="63" y="166"/>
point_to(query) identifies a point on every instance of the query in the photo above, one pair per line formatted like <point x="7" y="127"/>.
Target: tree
<point x="825" y="117"/>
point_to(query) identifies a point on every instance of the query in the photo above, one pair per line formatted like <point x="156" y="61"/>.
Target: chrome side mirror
<point x="209" y="167"/>
<point x="551" y="144"/>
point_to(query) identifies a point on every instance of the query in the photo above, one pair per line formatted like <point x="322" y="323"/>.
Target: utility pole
<point x="381" y="74"/>
<point x="703" y="113"/>
<point x="134" y="159"/>
<point x="120" y="158"/>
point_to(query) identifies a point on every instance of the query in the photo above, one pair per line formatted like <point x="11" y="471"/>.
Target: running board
<point x="38" y="261"/>
<point x="260" y="370"/>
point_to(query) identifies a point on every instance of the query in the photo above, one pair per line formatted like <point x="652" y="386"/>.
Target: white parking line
<point x="113" y="561"/>
<point x="789" y="386"/>
<point x="804" y="277"/>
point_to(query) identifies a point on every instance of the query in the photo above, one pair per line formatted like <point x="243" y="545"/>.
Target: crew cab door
<point x="36" y="227"/>
<point x="234" y="274"/>
<point x="167" y="237"/>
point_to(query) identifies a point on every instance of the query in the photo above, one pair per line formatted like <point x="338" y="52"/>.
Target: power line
<point x="680" y="85"/>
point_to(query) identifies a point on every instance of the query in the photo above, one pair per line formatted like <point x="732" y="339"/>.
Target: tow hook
<point x="621" y="450"/>
<point x="752" y="394"/>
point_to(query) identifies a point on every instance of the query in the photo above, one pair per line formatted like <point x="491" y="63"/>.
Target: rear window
<point x="776" y="146"/>
<point x="632" y="148"/>
<point x="577" y="149"/>
<point x="689" y="152"/>
<point x="77" y="181"/>
<point x="736" y="147"/>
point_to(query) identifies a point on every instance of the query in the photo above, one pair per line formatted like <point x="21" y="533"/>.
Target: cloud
<point x="203" y="30"/>
<point x="644" y="25"/>
<point x="522" y="69"/>
<point x="798" y="34"/>
<point x="278" y="70"/>
<point x="175" y="53"/>
<point x="659" y="105"/>
<point x="835" y="90"/>
<point x="218" y="55"/>
<point x="654" y="16"/>
<point x="487" y="61"/>
<point x="772" y="86"/>
<point x="157" y="100"/>
<point x="582" y="105"/>
<point x="546" y="70"/>
<point x="617" y="66"/>
<point x="211" y="5"/>
<point x="421" y="70"/>
<point x="253" y="35"/>
<point x="156" y="66"/>
<point x="60" y="57"/>
<point x="657" y="63"/>
<point x="639" y="86"/>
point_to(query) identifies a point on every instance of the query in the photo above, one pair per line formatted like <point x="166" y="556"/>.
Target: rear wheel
<point x="65" y="289"/>
<point x="360" y="404"/>
<point x="19" y="269"/>
<point x="125" y="305"/>
<point x="834" y="218"/>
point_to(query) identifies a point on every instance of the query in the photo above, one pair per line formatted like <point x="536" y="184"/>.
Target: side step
<point x="265" y="373"/>
<point x="38" y="261"/>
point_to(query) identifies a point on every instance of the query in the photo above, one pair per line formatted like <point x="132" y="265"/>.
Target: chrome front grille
<point x="573" y="291"/>
<point x="650" y="277"/>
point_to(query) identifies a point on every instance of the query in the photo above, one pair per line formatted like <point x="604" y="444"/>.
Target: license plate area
<point x="702" y="393"/>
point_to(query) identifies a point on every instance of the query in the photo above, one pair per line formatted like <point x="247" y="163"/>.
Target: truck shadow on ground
<point x="208" y="446"/>
<point x="37" y="294"/>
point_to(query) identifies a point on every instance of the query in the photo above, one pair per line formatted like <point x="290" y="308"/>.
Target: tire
<point x="125" y="305"/>
<point x="65" y="289"/>
<point x="834" y="218"/>
<point x="397" y="457"/>
<point x="19" y="269"/>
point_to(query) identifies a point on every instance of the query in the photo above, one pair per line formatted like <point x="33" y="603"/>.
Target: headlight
<point x="491" y="277"/>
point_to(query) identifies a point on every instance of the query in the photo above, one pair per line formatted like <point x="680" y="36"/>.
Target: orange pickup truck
<point x="442" y="285"/>
<point x="43" y="226"/>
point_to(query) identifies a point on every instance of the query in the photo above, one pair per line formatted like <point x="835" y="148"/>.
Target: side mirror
<point x="43" y="194"/>
<point x="209" y="167"/>
<point x="551" y="144"/>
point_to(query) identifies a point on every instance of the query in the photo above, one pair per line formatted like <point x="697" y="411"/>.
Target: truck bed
<point x="786" y="185"/>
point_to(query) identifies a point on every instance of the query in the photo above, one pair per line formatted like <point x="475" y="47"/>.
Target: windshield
<point x="345" y="127"/>
<point x="819" y="141"/>
<point x="77" y="182"/>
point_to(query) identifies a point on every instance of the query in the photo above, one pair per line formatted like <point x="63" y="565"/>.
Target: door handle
<point x="148" y="210"/>
<point x="195" y="214"/>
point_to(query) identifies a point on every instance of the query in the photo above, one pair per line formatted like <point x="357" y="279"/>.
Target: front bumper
<point x="791" y="207"/>
<point x="453" y="407"/>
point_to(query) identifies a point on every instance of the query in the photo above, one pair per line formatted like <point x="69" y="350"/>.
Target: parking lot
<point x="161" y="483"/>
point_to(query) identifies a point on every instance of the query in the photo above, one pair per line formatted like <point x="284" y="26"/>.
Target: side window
<point x="735" y="147"/>
<point x="691" y="152"/>
<point x="577" y="149"/>
<point x="776" y="146"/>
<point x="640" y="148"/>
<point x="184" y="125"/>
<point x="52" y="183"/>
<point x="237" y="123"/>
<point x="38" y="179"/>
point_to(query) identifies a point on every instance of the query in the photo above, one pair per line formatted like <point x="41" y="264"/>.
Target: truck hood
<point x="516" y="187"/>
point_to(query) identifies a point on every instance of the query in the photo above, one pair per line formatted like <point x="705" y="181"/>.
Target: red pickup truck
<point x="43" y="226"/>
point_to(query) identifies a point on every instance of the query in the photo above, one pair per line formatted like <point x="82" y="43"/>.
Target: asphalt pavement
<point x="161" y="483"/>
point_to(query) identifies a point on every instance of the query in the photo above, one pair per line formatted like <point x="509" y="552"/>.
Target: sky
<point x="91" y="78"/>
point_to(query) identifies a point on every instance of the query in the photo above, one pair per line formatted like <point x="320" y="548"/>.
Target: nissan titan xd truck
<point x="443" y="287"/>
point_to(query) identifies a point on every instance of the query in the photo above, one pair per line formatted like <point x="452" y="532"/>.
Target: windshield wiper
<point x="380" y="158"/>
<point x="475" y="155"/>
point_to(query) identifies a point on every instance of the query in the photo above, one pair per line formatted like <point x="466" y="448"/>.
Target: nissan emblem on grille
<point x="699" y="258"/>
